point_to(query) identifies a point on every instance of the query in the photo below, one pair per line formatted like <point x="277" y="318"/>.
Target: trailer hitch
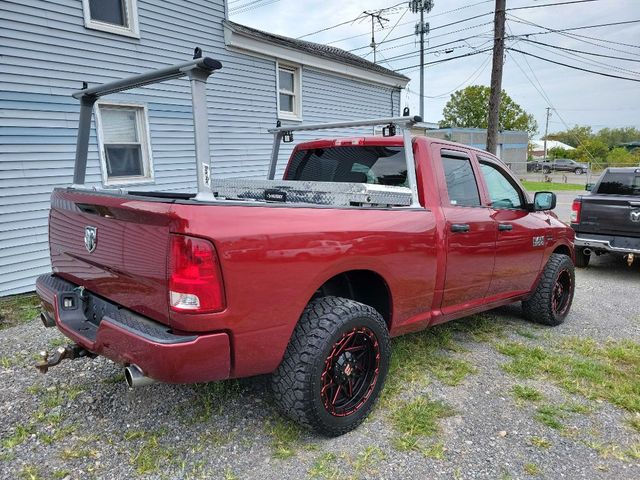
<point x="70" y="352"/>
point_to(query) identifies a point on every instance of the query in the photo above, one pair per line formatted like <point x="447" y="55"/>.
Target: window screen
<point x="109" y="11"/>
<point x="620" y="183"/>
<point x="503" y="193"/>
<point x="356" y="164"/>
<point x="461" y="182"/>
<point x="124" y="152"/>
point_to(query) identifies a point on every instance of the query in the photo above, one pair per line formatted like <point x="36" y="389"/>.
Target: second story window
<point x="114" y="16"/>
<point x="124" y="144"/>
<point x="289" y="96"/>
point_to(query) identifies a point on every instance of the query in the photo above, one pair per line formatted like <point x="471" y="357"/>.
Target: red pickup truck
<point x="291" y="281"/>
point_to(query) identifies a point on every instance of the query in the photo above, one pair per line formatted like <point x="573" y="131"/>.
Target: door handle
<point x="505" y="227"/>
<point x="460" y="227"/>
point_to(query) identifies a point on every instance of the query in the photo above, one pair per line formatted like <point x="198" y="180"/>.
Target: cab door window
<point x="461" y="181"/>
<point x="503" y="193"/>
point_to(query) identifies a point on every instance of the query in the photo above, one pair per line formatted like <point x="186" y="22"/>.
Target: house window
<point x="289" y="97"/>
<point x="125" y="148"/>
<point x="114" y="16"/>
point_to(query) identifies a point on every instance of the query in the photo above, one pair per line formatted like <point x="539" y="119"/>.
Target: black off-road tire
<point x="578" y="171"/>
<point x="540" y="307"/>
<point x="546" y="170"/>
<point x="297" y="383"/>
<point x="582" y="259"/>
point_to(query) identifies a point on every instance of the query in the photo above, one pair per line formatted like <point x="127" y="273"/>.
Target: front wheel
<point x="546" y="170"/>
<point x="334" y="367"/>
<point x="578" y="171"/>
<point x="551" y="300"/>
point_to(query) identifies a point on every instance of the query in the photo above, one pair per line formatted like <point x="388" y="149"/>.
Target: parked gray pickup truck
<point x="608" y="220"/>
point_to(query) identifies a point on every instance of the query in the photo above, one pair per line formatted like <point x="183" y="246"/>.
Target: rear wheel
<point x="582" y="259"/>
<point x="551" y="300"/>
<point x="334" y="367"/>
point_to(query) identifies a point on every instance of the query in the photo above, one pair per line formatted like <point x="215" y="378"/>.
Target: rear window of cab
<point x="354" y="164"/>
<point x="620" y="183"/>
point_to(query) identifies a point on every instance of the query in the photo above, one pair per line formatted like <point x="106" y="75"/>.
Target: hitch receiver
<point x="69" y="352"/>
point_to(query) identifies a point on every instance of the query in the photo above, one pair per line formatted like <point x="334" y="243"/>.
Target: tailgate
<point x="115" y="246"/>
<point x="610" y="215"/>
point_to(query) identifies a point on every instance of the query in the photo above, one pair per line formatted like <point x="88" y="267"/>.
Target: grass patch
<point x="550" y="186"/>
<point x="524" y="392"/>
<point x="30" y="472"/>
<point x="284" y="436"/>
<point x="416" y="419"/>
<point x="325" y="467"/>
<point x="367" y="459"/>
<point x="210" y="399"/>
<point x="75" y="453"/>
<point x="56" y="435"/>
<point x="531" y="469"/>
<point x="435" y="450"/>
<point x="540" y="442"/>
<point x="609" y="372"/>
<point x="419" y="355"/>
<point x="634" y="423"/>
<point x="20" y="434"/>
<point x="18" y="309"/>
<point x="608" y="450"/>
<point x="550" y="416"/>
<point x="151" y="454"/>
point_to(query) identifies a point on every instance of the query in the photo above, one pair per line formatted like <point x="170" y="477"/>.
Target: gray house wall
<point x="46" y="53"/>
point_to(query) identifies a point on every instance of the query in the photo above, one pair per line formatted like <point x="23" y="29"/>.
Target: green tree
<point x="559" y="152"/>
<point x="620" y="157"/>
<point x="573" y="136"/>
<point x="469" y="108"/>
<point x="591" y="149"/>
<point x="615" y="136"/>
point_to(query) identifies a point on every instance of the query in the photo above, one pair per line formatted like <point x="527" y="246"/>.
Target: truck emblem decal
<point x="90" y="238"/>
<point x="538" y="241"/>
<point x="635" y="216"/>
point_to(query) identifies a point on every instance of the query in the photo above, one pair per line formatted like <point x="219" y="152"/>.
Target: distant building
<point x="538" y="147"/>
<point x="512" y="145"/>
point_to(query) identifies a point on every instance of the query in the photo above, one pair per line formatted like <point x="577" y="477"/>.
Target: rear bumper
<point x="127" y="338"/>
<point x="608" y="243"/>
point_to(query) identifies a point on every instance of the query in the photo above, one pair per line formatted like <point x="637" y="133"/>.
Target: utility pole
<point x="422" y="29"/>
<point x="546" y="132"/>
<point x="377" y="15"/>
<point x="496" y="76"/>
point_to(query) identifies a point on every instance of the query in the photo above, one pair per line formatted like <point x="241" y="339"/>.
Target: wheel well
<point x="363" y="286"/>
<point x="563" y="250"/>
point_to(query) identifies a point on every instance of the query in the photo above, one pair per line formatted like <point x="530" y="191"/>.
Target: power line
<point x="587" y="61"/>
<point x="448" y="59"/>
<point x="581" y="51"/>
<point x="245" y="7"/>
<point x="405" y="23"/>
<point x="573" y="66"/>
<point x="550" y="5"/>
<point x="552" y="30"/>
<point x="436" y="28"/>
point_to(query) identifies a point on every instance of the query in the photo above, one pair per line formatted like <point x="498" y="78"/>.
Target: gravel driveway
<point x="490" y="420"/>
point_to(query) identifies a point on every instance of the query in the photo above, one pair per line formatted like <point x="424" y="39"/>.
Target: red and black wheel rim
<point x="350" y="372"/>
<point x="561" y="294"/>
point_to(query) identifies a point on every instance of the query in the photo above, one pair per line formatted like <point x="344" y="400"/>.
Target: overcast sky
<point x="579" y="97"/>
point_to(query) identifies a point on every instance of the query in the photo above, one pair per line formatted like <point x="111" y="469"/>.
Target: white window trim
<point x="145" y="142"/>
<point x="131" y="7"/>
<point x="296" y="115"/>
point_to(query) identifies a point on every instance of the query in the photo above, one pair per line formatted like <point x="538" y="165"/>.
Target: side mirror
<point x="588" y="187"/>
<point x="544" y="201"/>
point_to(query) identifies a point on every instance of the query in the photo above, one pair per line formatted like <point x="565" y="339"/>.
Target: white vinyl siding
<point x="113" y="16"/>
<point x="47" y="52"/>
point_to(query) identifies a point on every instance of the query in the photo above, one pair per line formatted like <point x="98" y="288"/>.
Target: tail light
<point x="575" y="211"/>
<point x="195" y="281"/>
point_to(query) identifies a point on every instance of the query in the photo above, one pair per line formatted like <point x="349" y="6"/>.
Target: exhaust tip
<point x="47" y="321"/>
<point x="135" y="378"/>
<point x="587" y="251"/>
